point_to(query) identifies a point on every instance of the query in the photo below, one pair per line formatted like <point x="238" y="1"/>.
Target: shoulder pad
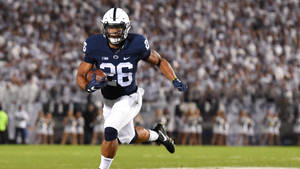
<point x="139" y="41"/>
<point x="92" y="42"/>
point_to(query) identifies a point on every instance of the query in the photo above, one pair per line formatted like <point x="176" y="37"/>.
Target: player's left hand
<point x="179" y="85"/>
<point x="95" y="85"/>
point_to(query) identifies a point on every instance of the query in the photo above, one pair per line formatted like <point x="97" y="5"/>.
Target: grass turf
<point x="132" y="157"/>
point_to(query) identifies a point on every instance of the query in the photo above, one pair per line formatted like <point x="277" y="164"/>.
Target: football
<point x="99" y="74"/>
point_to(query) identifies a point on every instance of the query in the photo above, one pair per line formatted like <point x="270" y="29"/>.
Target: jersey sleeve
<point x="86" y="50"/>
<point x="144" y="48"/>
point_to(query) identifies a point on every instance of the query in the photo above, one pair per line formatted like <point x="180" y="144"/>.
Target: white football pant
<point x="120" y="114"/>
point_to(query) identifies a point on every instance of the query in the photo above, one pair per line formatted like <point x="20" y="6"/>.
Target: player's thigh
<point x="127" y="133"/>
<point x="119" y="115"/>
<point x="106" y="111"/>
<point x="123" y="112"/>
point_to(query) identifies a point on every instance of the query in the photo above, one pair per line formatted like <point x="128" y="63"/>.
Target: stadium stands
<point x="235" y="55"/>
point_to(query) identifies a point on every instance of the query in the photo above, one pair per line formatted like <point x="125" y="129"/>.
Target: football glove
<point x="179" y="85"/>
<point x="95" y="85"/>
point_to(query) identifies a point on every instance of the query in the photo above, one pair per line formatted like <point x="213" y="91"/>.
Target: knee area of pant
<point x="110" y="133"/>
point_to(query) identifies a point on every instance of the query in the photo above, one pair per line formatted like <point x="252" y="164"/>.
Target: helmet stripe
<point x="115" y="12"/>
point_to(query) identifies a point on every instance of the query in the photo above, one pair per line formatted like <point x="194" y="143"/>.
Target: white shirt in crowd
<point x="21" y="119"/>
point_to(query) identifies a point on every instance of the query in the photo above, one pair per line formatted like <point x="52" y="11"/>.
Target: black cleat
<point x="164" y="139"/>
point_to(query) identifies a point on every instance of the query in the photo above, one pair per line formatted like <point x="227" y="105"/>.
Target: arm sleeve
<point x="144" y="48"/>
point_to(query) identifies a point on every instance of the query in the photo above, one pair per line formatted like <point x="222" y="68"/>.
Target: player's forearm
<point x="166" y="69"/>
<point x="83" y="69"/>
<point x="81" y="81"/>
<point x="164" y="66"/>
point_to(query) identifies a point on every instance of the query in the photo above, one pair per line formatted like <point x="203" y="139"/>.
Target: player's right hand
<point x="95" y="85"/>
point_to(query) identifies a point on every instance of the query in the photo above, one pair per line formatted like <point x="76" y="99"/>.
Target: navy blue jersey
<point x="119" y="65"/>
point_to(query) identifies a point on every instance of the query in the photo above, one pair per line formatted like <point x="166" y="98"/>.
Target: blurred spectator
<point x="69" y="129"/>
<point x="159" y="117"/>
<point x="198" y="124"/>
<point x="90" y="115"/>
<point x="41" y="129"/>
<point x="185" y="120"/>
<point x="179" y="115"/>
<point x="3" y="126"/>
<point x="297" y="127"/>
<point x="243" y="122"/>
<point x="232" y="58"/>
<point x="225" y="130"/>
<point x="218" y="128"/>
<point x="268" y="129"/>
<point x="189" y="128"/>
<point x="250" y="126"/>
<point x="21" y="123"/>
<point x="168" y="124"/>
<point x="276" y="128"/>
<point x="50" y="128"/>
<point x="98" y="128"/>
<point x="80" y="127"/>
<point x="138" y="120"/>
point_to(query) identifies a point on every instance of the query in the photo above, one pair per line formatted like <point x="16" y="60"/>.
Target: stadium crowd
<point x="235" y="55"/>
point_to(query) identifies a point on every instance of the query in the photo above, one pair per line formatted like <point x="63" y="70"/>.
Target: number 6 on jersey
<point x="123" y="79"/>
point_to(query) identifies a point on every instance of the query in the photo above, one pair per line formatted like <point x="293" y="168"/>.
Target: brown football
<point x="99" y="74"/>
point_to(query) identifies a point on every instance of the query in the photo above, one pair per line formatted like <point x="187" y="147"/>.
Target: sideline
<point x="232" y="168"/>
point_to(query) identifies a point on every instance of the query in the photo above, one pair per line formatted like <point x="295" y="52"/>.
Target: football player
<point x="117" y="53"/>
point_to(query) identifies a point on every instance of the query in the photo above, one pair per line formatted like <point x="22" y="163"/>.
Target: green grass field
<point x="131" y="157"/>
